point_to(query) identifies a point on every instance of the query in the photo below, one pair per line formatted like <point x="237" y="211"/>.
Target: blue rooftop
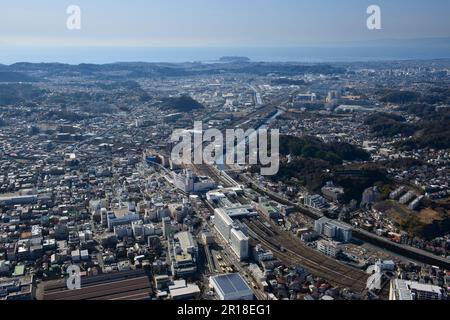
<point x="230" y="283"/>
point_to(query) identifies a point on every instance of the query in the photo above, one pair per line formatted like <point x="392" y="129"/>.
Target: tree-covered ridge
<point x="389" y="125"/>
<point x="431" y="130"/>
<point x="432" y="96"/>
<point x="182" y="104"/>
<point x="18" y="93"/>
<point x="314" y="148"/>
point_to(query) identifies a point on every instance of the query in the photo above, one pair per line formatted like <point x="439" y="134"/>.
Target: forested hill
<point x="181" y="104"/>
<point x="314" y="148"/>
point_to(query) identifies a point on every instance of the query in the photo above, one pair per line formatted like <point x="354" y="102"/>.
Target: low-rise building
<point x="19" y="288"/>
<point x="231" y="287"/>
<point x="411" y="290"/>
<point x="333" y="229"/>
<point x="329" y="248"/>
<point x="183" y="252"/>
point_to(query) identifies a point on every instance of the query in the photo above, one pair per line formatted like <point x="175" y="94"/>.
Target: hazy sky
<point x="217" y="22"/>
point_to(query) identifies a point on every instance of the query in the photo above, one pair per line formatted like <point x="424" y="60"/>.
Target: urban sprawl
<point x="359" y="210"/>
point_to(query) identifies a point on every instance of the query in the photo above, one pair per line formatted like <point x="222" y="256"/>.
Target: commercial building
<point x="329" y="248"/>
<point x="411" y="290"/>
<point x="260" y="254"/>
<point x="257" y="273"/>
<point x="333" y="229"/>
<point x="239" y="243"/>
<point x="162" y="282"/>
<point x="315" y="201"/>
<point x="180" y="290"/>
<point x="333" y="193"/>
<point x="268" y="210"/>
<point x="19" y="288"/>
<point x="113" y="220"/>
<point x="207" y="238"/>
<point x="187" y="182"/>
<point x="231" y="233"/>
<point x="183" y="251"/>
<point x="18" y="200"/>
<point x="142" y="230"/>
<point x="231" y="287"/>
<point x="305" y="97"/>
<point x="187" y="243"/>
<point x="5" y="268"/>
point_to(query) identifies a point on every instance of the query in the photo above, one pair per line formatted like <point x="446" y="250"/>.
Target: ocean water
<point x="102" y="55"/>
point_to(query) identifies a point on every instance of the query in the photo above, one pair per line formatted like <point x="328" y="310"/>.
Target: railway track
<point x="297" y="254"/>
<point x="207" y="170"/>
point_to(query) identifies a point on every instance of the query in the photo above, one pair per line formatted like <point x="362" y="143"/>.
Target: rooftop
<point x="231" y="283"/>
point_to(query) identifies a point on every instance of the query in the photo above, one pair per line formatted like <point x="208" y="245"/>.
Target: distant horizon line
<point x="307" y="44"/>
<point x="218" y="61"/>
<point x="357" y="51"/>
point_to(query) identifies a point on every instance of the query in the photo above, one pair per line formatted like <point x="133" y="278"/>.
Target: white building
<point x="410" y="195"/>
<point x="231" y="287"/>
<point x="376" y="271"/>
<point x="333" y="229"/>
<point x="239" y="243"/>
<point x="315" y="201"/>
<point x="187" y="182"/>
<point x="305" y="97"/>
<point x="329" y="248"/>
<point x="411" y="290"/>
<point x="113" y="220"/>
<point x="416" y="203"/>
<point x="123" y="231"/>
<point x="257" y="273"/>
<point x="183" y="251"/>
<point x="260" y="254"/>
<point x="183" y="291"/>
<point x="142" y="230"/>
<point x="231" y="233"/>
